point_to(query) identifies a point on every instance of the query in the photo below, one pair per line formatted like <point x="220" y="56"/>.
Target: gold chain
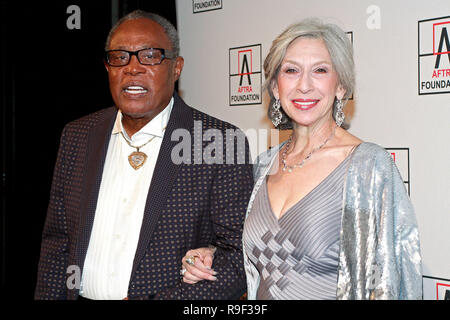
<point x="121" y="132"/>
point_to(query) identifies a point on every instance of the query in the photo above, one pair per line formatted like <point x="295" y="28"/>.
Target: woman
<point x="329" y="217"/>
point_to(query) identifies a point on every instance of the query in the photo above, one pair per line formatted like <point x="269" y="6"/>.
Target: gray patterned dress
<point x="297" y="255"/>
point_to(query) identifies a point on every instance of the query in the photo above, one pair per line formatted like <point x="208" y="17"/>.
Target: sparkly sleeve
<point x="407" y="244"/>
<point x="380" y="254"/>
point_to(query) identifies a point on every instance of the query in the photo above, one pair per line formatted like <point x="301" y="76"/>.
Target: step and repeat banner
<point x="401" y="101"/>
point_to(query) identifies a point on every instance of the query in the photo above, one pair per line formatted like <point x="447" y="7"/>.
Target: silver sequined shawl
<point x="379" y="240"/>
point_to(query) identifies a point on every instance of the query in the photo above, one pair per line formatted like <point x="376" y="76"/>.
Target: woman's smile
<point x="305" y="104"/>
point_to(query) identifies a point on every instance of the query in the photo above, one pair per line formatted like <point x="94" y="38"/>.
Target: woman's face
<point x="307" y="82"/>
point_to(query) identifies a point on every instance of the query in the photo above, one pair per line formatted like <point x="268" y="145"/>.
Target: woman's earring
<point x="276" y="113"/>
<point x="340" y="116"/>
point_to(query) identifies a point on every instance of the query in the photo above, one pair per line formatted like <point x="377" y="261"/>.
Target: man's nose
<point x="134" y="66"/>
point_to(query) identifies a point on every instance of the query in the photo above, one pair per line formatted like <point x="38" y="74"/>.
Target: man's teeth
<point x="135" y="89"/>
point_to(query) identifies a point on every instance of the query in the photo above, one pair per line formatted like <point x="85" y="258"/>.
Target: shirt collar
<point x="155" y="127"/>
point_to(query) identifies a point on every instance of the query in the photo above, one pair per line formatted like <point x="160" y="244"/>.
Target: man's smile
<point x="135" y="90"/>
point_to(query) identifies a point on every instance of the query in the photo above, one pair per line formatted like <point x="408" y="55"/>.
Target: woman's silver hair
<point x="168" y="27"/>
<point x="339" y="48"/>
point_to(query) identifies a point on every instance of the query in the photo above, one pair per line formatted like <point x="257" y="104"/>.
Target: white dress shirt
<point x="120" y="209"/>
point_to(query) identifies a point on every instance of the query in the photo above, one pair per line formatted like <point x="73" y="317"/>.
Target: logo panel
<point x="434" y="56"/>
<point x="206" y="5"/>
<point x="436" y="288"/>
<point x="245" y="75"/>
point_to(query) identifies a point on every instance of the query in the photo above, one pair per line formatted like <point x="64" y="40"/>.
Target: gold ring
<point x="190" y="260"/>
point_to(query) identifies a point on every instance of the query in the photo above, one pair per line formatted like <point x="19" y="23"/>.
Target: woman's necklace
<point x="137" y="158"/>
<point x="299" y="165"/>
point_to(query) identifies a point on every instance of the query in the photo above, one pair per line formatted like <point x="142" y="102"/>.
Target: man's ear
<point x="106" y="66"/>
<point x="179" y="63"/>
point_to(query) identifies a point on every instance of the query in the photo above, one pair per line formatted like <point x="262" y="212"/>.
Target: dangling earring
<point x="276" y="113"/>
<point x="340" y="116"/>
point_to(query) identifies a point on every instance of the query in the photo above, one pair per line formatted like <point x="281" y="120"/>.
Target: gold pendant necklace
<point x="137" y="158"/>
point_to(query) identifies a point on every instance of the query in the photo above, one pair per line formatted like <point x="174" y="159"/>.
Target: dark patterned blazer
<point x="188" y="206"/>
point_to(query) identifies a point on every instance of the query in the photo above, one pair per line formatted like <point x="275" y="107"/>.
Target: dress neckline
<point x="312" y="191"/>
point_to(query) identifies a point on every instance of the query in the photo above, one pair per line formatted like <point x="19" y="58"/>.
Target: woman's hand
<point x="197" y="265"/>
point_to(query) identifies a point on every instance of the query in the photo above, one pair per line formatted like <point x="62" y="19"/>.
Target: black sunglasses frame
<point x="135" y="53"/>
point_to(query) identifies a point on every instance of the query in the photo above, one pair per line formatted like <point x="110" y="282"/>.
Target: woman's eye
<point x="321" y="70"/>
<point x="290" y="70"/>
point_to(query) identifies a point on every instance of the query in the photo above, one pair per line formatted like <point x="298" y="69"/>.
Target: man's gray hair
<point x="168" y="27"/>
<point x="339" y="47"/>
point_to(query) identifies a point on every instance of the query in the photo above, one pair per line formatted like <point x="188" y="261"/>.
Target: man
<point x="122" y="212"/>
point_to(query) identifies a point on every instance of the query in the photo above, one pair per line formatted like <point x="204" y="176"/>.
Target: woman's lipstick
<point x="305" y="104"/>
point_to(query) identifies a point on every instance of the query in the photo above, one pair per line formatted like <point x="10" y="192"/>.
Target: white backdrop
<point x="393" y="40"/>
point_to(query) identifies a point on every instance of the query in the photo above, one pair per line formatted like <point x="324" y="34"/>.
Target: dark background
<point x="50" y="75"/>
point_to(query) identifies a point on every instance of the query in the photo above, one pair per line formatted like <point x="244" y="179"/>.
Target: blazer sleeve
<point x="229" y="196"/>
<point x="51" y="277"/>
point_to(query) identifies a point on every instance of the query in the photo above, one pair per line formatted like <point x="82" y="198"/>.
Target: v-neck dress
<point x="297" y="255"/>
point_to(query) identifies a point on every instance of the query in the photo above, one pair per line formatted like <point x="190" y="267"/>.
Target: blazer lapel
<point x="98" y="139"/>
<point x="163" y="177"/>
